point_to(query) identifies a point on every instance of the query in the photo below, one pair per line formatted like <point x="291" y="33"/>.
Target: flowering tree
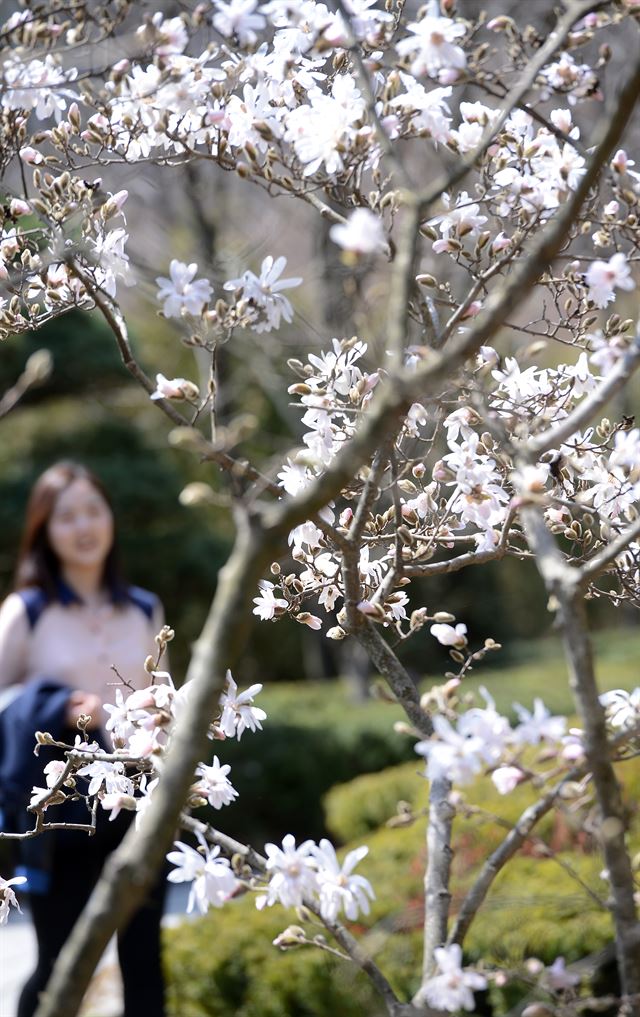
<point x="469" y="430"/>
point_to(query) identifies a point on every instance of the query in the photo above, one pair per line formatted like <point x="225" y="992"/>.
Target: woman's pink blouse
<point x="77" y="645"/>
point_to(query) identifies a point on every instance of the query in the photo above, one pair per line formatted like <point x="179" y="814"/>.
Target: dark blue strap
<point x="146" y="601"/>
<point x="35" y="600"/>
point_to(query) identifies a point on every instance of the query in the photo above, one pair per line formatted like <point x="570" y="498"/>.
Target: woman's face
<point x="80" y="527"/>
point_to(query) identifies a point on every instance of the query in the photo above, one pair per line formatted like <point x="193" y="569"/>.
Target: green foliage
<point x="314" y="737"/>
<point x="226" y="964"/>
<point x="85" y="358"/>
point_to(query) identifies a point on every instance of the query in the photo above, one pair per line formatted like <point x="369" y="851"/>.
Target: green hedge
<point x="226" y="964"/>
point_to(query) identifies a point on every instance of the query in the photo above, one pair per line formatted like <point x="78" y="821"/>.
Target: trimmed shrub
<point x="226" y="964"/>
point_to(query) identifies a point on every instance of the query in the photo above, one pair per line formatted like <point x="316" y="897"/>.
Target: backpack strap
<point x="35" y="600"/>
<point x="144" y="599"/>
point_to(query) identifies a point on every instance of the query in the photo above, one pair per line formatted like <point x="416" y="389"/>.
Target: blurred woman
<point x="69" y="623"/>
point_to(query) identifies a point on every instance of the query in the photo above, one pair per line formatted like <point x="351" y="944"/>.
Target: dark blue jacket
<point x="41" y="705"/>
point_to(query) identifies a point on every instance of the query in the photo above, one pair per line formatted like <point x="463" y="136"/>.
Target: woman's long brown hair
<point x="38" y="564"/>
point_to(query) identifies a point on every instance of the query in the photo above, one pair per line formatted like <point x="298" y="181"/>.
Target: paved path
<point x="104" y="998"/>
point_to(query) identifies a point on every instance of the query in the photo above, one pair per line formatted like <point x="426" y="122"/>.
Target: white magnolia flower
<point x="565" y="75"/>
<point x="112" y="775"/>
<point x="213" y="882"/>
<point x="181" y="293"/>
<point x="447" y="635"/>
<point x="8" y="897"/>
<point x="322" y="130"/>
<point x="146" y="793"/>
<point x="363" y="233"/>
<point x="459" y="221"/>
<point x="54" y="771"/>
<point x="622" y="707"/>
<point x="238" y="18"/>
<point x="427" y="108"/>
<point x="506" y="778"/>
<point x="119" y="722"/>
<point x="538" y="726"/>
<point x="171" y="35"/>
<point x="238" y="714"/>
<point x="268" y="606"/>
<point x="450" y="754"/>
<point x="293" y="874"/>
<point x="338" y="888"/>
<point x="214" y="784"/>
<point x="487" y="725"/>
<point x="265" y="293"/>
<point x="36" y="85"/>
<point x="604" y="277"/>
<point x="112" y="261"/>
<point x="174" y="388"/>
<point x="452" y="988"/>
<point x="116" y="801"/>
<point x="432" y="46"/>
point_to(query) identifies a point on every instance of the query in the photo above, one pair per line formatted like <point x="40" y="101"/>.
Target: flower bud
<point x="38" y="367"/>
<point x="196" y="493"/>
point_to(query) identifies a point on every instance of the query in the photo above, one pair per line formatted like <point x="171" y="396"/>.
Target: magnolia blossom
<point x="432" y="47"/>
<point x="238" y="18"/>
<point x="452" y="988"/>
<point x="214" y="784"/>
<point x="212" y="879"/>
<point x="268" y="606"/>
<point x="604" y="277"/>
<point x="338" y="888"/>
<point x="116" y="801"/>
<point x="112" y="775"/>
<point x="174" y="388"/>
<point x="461" y="220"/>
<point x="447" y="635"/>
<point x="238" y="713"/>
<point x="506" y="778"/>
<point x="265" y="293"/>
<point x="451" y="755"/>
<point x="8" y="897"/>
<point x="111" y="259"/>
<point x="53" y="771"/>
<point x="363" y="233"/>
<point x="537" y="726"/>
<point x="322" y="130"/>
<point x="182" y="293"/>
<point x="292" y="873"/>
<point x="622" y="707"/>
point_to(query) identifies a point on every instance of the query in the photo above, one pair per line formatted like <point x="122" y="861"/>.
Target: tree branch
<point x="388" y="409"/>
<point x="437" y="896"/>
<point x="556" y="39"/>
<point x="563" y="585"/>
<point x="608" y="555"/>
<point x="587" y="408"/>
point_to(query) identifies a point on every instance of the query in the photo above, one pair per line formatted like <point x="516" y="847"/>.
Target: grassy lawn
<point x="536" y="669"/>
